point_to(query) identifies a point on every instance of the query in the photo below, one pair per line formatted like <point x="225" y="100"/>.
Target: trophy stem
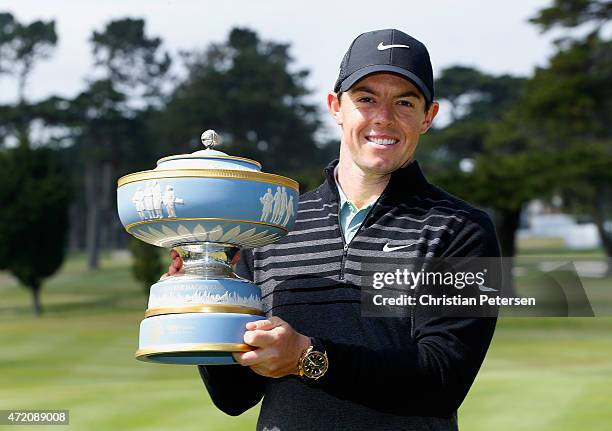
<point x="207" y="260"/>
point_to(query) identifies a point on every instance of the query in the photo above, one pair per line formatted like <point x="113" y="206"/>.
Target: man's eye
<point x="365" y="99"/>
<point x="405" y="103"/>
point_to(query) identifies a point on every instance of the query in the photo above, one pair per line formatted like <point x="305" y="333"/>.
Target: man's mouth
<point x="382" y="141"/>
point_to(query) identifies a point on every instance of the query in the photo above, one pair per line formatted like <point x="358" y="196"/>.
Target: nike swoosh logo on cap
<point x="381" y="46"/>
<point x="387" y="248"/>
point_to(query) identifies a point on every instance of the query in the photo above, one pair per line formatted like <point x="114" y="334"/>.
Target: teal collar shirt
<point x="349" y="215"/>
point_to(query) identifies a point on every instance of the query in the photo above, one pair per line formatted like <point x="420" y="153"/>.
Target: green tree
<point x="34" y="191"/>
<point x="99" y="129"/>
<point x="570" y="104"/>
<point x="479" y="102"/>
<point x="146" y="264"/>
<point x="476" y="95"/>
<point x="22" y="45"/>
<point x="108" y="118"/>
<point x="35" y="196"/>
<point x="485" y="154"/>
<point x="244" y="89"/>
<point x="509" y="170"/>
<point x="133" y="61"/>
<point x="574" y="13"/>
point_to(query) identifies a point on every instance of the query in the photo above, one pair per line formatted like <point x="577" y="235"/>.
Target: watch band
<point x="317" y="344"/>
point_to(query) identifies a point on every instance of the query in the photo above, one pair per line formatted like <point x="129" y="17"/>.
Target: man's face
<point x="382" y="117"/>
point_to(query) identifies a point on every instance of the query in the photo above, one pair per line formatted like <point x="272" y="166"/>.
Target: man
<point x="318" y="364"/>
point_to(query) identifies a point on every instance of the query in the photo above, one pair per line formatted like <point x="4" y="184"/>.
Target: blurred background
<point x="92" y="91"/>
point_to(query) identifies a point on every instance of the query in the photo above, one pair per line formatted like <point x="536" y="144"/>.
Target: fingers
<point x="262" y="333"/>
<point x="247" y="359"/>
<point x="253" y="358"/>
<point x="176" y="266"/>
<point x="260" y="338"/>
<point x="236" y="258"/>
<point x="267" y="324"/>
<point x="177" y="263"/>
<point x="278" y="347"/>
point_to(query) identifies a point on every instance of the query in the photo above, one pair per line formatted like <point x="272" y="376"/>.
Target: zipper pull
<point x="344" y="253"/>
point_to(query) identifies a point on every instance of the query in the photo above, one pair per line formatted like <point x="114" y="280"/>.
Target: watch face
<point x="315" y="364"/>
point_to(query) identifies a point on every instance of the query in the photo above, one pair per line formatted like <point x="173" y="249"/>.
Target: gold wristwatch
<point x="313" y="361"/>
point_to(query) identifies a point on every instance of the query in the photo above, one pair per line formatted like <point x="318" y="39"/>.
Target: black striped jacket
<point x="311" y="279"/>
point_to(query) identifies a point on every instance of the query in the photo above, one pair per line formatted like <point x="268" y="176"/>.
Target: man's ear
<point x="333" y="103"/>
<point x="429" y="116"/>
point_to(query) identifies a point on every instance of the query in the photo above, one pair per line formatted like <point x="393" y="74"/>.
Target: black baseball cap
<point x="388" y="50"/>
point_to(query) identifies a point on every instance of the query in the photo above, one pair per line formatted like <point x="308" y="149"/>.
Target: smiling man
<point x="318" y="363"/>
<point x="381" y="120"/>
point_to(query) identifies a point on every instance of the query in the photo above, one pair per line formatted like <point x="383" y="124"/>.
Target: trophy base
<point x="193" y="338"/>
<point x="199" y="317"/>
<point x="195" y="354"/>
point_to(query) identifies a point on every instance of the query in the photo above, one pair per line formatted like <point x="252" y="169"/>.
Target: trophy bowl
<point x="206" y="205"/>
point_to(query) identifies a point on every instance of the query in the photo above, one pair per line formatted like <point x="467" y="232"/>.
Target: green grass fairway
<point x="79" y="356"/>
<point x="540" y="374"/>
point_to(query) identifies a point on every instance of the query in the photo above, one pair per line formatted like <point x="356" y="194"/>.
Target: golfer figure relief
<point x="266" y="202"/>
<point x="157" y="200"/>
<point x="283" y="208"/>
<point x="138" y="200"/>
<point x="150" y="202"/>
<point x="170" y="200"/>
<point x="275" y="208"/>
<point x="289" y="211"/>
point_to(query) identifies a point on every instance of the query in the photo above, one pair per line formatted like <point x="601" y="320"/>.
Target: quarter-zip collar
<point x="349" y="216"/>
<point x="404" y="182"/>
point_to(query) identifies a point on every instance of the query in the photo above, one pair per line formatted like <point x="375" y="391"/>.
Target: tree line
<point x="515" y="139"/>
<point x="509" y="140"/>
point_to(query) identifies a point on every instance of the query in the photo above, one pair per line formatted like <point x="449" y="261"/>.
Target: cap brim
<point x="350" y="80"/>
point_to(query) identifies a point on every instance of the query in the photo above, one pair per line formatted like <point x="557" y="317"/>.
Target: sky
<point x="491" y="35"/>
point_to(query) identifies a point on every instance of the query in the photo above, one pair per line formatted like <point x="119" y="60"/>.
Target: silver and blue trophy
<point x="205" y="205"/>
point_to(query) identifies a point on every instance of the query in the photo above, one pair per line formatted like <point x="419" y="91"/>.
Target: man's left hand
<point x="279" y="347"/>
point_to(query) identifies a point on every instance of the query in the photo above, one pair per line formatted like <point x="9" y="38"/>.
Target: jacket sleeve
<point x="233" y="388"/>
<point x="429" y="371"/>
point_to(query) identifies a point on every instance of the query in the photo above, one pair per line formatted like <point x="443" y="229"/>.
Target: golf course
<point x="540" y="374"/>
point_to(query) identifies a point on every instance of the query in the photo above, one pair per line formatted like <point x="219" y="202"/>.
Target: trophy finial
<point x="210" y="139"/>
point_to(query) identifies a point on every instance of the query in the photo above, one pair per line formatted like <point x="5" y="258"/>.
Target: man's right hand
<point x="176" y="267"/>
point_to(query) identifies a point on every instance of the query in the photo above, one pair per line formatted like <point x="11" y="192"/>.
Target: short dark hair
<point x="427" y="104"/>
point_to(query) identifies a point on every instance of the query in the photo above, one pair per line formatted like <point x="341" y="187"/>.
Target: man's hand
<point x="279" y="347"/>
<point x="176" y="266"/>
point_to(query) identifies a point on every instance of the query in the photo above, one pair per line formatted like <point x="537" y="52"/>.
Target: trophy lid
<point x="208" y="158"/>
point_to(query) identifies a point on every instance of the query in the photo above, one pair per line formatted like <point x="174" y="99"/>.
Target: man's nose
<point x="383" y="115"/>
